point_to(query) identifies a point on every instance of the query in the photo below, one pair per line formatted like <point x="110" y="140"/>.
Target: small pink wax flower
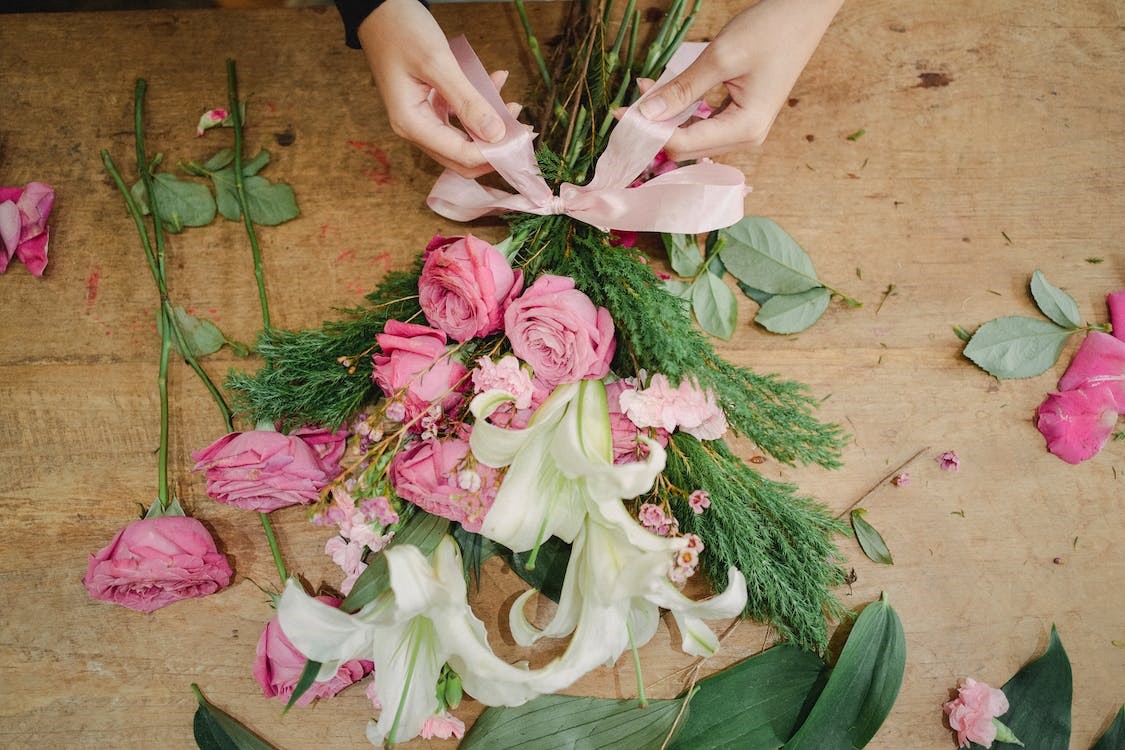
<point x="948" y="461"/>
<point x="653" y="518"/>
<point x="1076" y="424"/>
<point x="901" y="480"/>
<point x="971" y="712"/>
<point x="443" y="726"/>
<point x="505" y="375"/>
<point x="210" y="119"/>
<point x="699" y="501"/>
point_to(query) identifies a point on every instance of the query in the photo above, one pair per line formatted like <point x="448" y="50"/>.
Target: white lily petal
<point x="523" y="631"/>
<point x="727" y="604"/>
<point x="416" y="591"/>
<point x="644" y="618"/>
<point x="584" y="439"/>
<point x="321" y="632"/>
<point x="408" y="663"/>
<point x="696" y="638"/>
<point x="497" y="446"/>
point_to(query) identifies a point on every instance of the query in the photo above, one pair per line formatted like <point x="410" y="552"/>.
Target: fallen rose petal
<point x="210" y="119"/>
<point x="35" y="205"/>
<point x="1115" y="301"/>
<point x="33" y="252"/>
<point x="1099" y="361"/>
<point x="9" y="231"/>
<point x="1078" y="423"/>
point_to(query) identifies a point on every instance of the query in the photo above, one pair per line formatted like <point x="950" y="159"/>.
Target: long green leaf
<point x="1039" y="699"/>
<point x="304" y="682"/>
<point x="550" y="566"/>
<point x="217" y="730"/>
<point x="762" y="255"/>
<point x="870" y="540"/>
<point x="563" y="722"/>
<point x="1016" y="346"/>
<point x="423" y="530"/>
<point x="1114" y="737"/>
<point x="1054" y="302"/>
<point x="756" y="704"/>
<point x="862" y="686"/>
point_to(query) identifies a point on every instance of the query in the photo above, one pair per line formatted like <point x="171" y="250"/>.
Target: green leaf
<point x="270" y="203"/>
<point x="792" y="313"/>
<point x="1114" y="737"/>
<point x="683" y="253"/>
<point x="678" y="288"/>
<point x="237" y="348"/>
<point x="763" y="255"/>
<point x="769" y="693"/>
<point x="550" y="566"/>
<point x="423" y="530"/>
<point x="221" y="159"/>
<point x="1004" y="734"/>
<point x="755" y="294"/>
<point x="714" y="306"/>
<point x="304" y="682"/>
<point x="862" y="686"/>
<point x="182" y="204"/>
<point x="1016" y="347"/>
<point x="217" y="730"/>
<point x="563" y="722"/>
<point x="961" y="333"/>
<point x="1054" y="302"/>
<point x="475" y="549"/>
<point x="252" y="167"/>
<point x="201" y="336"/>
<point x="870" y="540"/>
<point x="1039" y="698"/>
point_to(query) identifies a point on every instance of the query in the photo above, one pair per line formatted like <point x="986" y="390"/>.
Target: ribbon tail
<point x="463" y="199"/>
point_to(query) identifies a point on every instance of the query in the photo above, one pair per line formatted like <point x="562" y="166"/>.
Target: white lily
<point x="419" y="624"/>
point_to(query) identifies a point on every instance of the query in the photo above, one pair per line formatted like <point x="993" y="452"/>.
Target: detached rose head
<point x="278" y="666"/>
<point x="413" y="365"/>
<point x="441" y="477"/>
<point x="559" y="332"/>
<point x="23" y="225"/>
<point x="263" y="470"/>
<point x="156" y="561"/>
<point x="971" y="712"/>
<point x="465" y="286"/>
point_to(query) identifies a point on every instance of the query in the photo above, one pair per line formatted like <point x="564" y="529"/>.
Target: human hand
<point x="758" y="55"/>
<point x="422" y="86"/>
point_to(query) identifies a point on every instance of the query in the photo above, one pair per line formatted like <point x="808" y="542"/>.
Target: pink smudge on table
<point x="92" y="282"/>
<point x="380" y="174"/>
<point x="347" y="254"/>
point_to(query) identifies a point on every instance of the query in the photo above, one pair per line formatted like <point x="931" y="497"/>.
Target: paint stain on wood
<point x="285" y="137"/>
<point x="793" y="101"/>
<point x="932" y="80"/>
<point x="92" y="282"/>
<point x="380" y="172"/>
<point x="345" y="255"/>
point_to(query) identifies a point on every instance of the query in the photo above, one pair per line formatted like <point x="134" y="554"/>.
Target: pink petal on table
<point x="9" y="229"/>
<point x="33" y="252"/>
<point x="10" y="194"/>
<point x="1115" y="301"/>
<point x="1077" y="423"/>
<point x="35" y="206"/>
<point x="1099" y="361"/>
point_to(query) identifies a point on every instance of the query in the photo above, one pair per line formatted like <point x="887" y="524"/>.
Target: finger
<point x="498" y="78"/>
<point x="471" y="109"/>
<point x="644" y="84"/>
<point x="727" y="131"/>
<point x="682" y="91"/>
<point x="448" y="146"/>
<point x="514" y="108"/>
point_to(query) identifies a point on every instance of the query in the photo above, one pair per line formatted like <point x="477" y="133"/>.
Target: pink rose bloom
<point x="156" y="561"/>
<point x="262" y="470"/>
<point x="1115" y="301"/>
<point x="505" y="375"/>
<point x="1076" y="424"/>
<point x="413" y="366"/>
<point x="559" y="332"/>
<point x="465" y="286"/>
<point x="971" y="712"/>
<point x="443" y="726"/>
<point x="1100" y="360"/>
<point x="328" y="446"/>
<point x="435" y="476"/>
<point x="686" y="407"/>
<point x="23" y="225"/>
<point x="278" y="666"/>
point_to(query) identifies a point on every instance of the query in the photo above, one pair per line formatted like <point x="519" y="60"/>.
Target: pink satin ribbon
<point x="687" y="200"/>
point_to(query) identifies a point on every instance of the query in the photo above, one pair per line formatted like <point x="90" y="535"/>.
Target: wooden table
<point x="994" y="144"/>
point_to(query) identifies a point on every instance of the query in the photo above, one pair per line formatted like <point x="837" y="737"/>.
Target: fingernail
<point x="654" y="107"/>
<point x="492" y="129"/>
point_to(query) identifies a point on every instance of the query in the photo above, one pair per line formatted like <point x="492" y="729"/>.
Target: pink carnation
<point x="687" y="407"/>
<point x="414" y="366"/>
<point x="443" y="726"/>
<point x="465" y="286"/>
<point x="971" y="712"/>
<point x="627" y="446"/>
<point x="440" y="478"/>
<point x="505" y="375"/>
<point x="278" y="666"/>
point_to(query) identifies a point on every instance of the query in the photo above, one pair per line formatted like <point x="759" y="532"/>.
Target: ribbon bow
<point x="687" y="200"/>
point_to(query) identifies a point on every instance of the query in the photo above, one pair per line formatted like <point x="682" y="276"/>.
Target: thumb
<point x="471" y="109"/>
<point x="682" y="91"/>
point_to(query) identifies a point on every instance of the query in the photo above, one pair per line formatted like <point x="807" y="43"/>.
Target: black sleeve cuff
<point x="355" y="12"/>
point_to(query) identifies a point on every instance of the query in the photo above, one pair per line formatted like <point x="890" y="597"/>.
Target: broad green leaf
<point x="683" y="253"/>
<point x="201" y="336"/>
<point x="1114" y="737"/>
<point x="271" y="203"/>
<point x="1039" y="698"/>
<point x="181" y="204"/>
<point x="714" y="305"/>
<point x="221" y="159"/>
<point x="563" y="722"/>
<point x="715" y="266"/>
<point x="755" y="294"/>
<point x="217" y="730"/>
<point x="768" y="693"/>
<point x="423" y="530"/>
<point x="1054" y="302"/>
<point x="862" y="686"/>
<point x="304" y="682"/>
<point x="1016" y="347"/>
<point x="678" y="288"/>
<point x="550" y="566"/>
<point x="761" y="254"/>
<point x="870" y="540"/>
<point x="253" y="166"/>
<point x="792" y="313"/>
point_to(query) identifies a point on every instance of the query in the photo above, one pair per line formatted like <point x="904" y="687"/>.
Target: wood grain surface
<point x="994" y="144"/>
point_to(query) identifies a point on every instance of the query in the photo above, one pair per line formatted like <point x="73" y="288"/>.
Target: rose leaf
<point x="1016" y="347"/>
<point x="1054" y="302"/>
<point x="761" y="254"/>
<point x="714" y="305"/>
<point x="792" y="313"/>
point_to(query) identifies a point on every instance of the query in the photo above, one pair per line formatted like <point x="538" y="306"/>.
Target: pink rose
<point x="465" y="286"/>
<point x="1100" y="360"/>
<point x="413" y="366"/>
<point x="559" y="332"/>
<point x="156" y="561"/>
<point x="23" y="225"/>
<point x="971" y="712"/>
<point x="440" y="477"/>
<point x="1115" y="301"/>
<point x="328" y="446"/>
<point x="278" y="666"/>
<point x="263" y="470"/>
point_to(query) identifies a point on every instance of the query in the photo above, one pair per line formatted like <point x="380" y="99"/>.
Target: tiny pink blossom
<point x="379" y="509"/>
<point x="948" y="461"/>
<point x="971" y="712"/>
<point x="348" y="555"/>
<point x="699" y="501"/>
<point x="901" y="480"/>
<point x="653" y="518"/>
<point x="443" y="726"/>
<point x="210" y="119"/>
<point x="505" y="375"/>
